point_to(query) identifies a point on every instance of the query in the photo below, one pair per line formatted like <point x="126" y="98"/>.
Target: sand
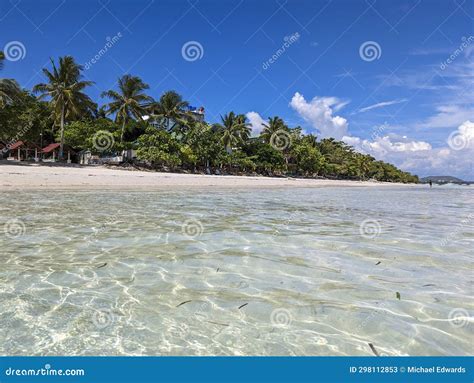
<point x="35" y="176"/>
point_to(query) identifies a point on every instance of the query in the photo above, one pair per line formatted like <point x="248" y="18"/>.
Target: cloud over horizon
<point x="416" y="156"/>
<point x="256" y="122"/>
<point x="420" y="157"/>
<point x="319" y="113"/>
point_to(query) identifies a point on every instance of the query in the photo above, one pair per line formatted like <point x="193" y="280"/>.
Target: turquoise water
<point x="237" y="272"/>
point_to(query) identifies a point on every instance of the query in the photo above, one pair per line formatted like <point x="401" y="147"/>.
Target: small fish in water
<point x="372" y="347"/>
<point x="245" y="304"/>
<point x="103" y="265"/>
<point x="378" y="263"/>
<point x="182" y="303"/>
<point x="217" y="323"/>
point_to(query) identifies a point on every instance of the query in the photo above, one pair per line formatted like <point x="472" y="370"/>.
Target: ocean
<point x="222" y="271"/>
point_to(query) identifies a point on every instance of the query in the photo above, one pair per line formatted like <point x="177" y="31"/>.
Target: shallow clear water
<point x="314" y="272"/>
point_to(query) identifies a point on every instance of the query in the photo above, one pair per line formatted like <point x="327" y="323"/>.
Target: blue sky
<point x="402" y="104"/>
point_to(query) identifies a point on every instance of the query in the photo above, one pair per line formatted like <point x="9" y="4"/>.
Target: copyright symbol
<point x="402" y="369"/>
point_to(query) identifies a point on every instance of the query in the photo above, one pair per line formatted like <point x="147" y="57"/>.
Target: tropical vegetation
<point x="165" y="134"/>
<point x="65" y="91"/>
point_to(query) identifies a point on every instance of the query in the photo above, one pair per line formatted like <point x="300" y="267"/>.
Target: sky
<point x="392" y="78"/>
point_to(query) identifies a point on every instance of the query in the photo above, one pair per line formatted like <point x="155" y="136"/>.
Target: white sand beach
<point x="13" y="176"/>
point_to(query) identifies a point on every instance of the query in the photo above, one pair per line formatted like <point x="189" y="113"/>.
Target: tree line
<point x="166" y="135"/>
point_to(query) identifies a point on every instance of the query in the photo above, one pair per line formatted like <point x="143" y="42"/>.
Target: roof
<point x="50" y="148"/>
<point x="15" y="145"/>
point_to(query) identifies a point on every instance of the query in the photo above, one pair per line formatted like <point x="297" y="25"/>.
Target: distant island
<point x="441" y="180"/>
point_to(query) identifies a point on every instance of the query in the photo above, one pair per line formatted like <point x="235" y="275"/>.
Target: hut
<point x="50" y="153"/>
<point x="21" y="151"/>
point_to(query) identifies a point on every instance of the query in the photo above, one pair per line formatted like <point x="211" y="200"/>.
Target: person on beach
<point x="431" y="184"/>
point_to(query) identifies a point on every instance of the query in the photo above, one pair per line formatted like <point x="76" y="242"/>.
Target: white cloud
<point x="379" y="147"/>
<point x="319" y="113"/>
<point x="419" y="157"/>
<point x="448" y="116"/>
<point x="381" y="105"/>
<point x="256" y="122"/>
<point x="463" y="137"/>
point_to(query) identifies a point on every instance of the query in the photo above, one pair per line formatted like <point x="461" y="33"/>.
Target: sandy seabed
<point x="35" y="176"/>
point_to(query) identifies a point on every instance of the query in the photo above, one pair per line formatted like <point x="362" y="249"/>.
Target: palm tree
<point x="65" y="88"/>
<point x="234" y="130"/>
<point x="362" y="163"/>
<point x="245" y="130"/>
<point x="274" y="124"/>
<point x="130" y="102"/>
<point x="9" y="88"/>
<point x="171" y="110"/>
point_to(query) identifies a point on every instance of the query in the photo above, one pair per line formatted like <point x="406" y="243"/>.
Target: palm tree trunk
<point x="61" y="145"/>
<point x="123" y="130"/>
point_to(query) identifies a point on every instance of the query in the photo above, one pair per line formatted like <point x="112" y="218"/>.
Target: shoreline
<point x="47" y="177"/>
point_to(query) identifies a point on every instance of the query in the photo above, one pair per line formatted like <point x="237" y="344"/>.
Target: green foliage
<point x="129" y="102"/>
<point x="188" y="157"/>
<point x="159" y="148"/>
<point x="170" y="112"/>
<point x="309" y="160"/>
<point x="25" y="119"/>
<point x="266" y="158"/>
<point x="274" y="125"/>
<point x="173" y="137"/>
<point x="82" y="134"/>
<point x="9" y="88"/>
<point x="234" y="131"/>
<point x="65" y="89"/>
<point x="205" y="144"/>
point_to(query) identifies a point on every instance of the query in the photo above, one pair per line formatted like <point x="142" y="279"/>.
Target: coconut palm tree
<point x="246" y="130"/>
<point x="234" y="130"/>
<point x="274" y="124"/>
<point x="171" y="111"/>
<point x="65" y="89"/>
<point x="129" y="102"/>
<point x="9" y="88"/>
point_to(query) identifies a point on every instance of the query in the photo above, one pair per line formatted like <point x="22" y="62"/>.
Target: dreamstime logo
<point x="228" y="337"/>
<point x="465" y="43"/>
<point x="14" y="228"/>
<point x="280" y="140"/>
<point x="371" y="316"/>
<point x="459" y="317"/>
<point x="377" y="131"/>
<point x="370" y="228"/>
<point x="203" y="310"/>
<point x="370" y="51"/>
<point x="110" y="223"/>
<point x="103" y="140"/>
<point x="110" y="42"/>
<point x="192" y="51"/>
<point x="288" y="41"/>
<point x="192" y="228"/>
<point x="458" y="141"/>
<point x="178" y="331"/>
<point x="453" y="235"/>
<point x="280" y="318"/>
<point x="14" y="51"/>
<point x="22" y="131"/>
<point x="103" y="318"/>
